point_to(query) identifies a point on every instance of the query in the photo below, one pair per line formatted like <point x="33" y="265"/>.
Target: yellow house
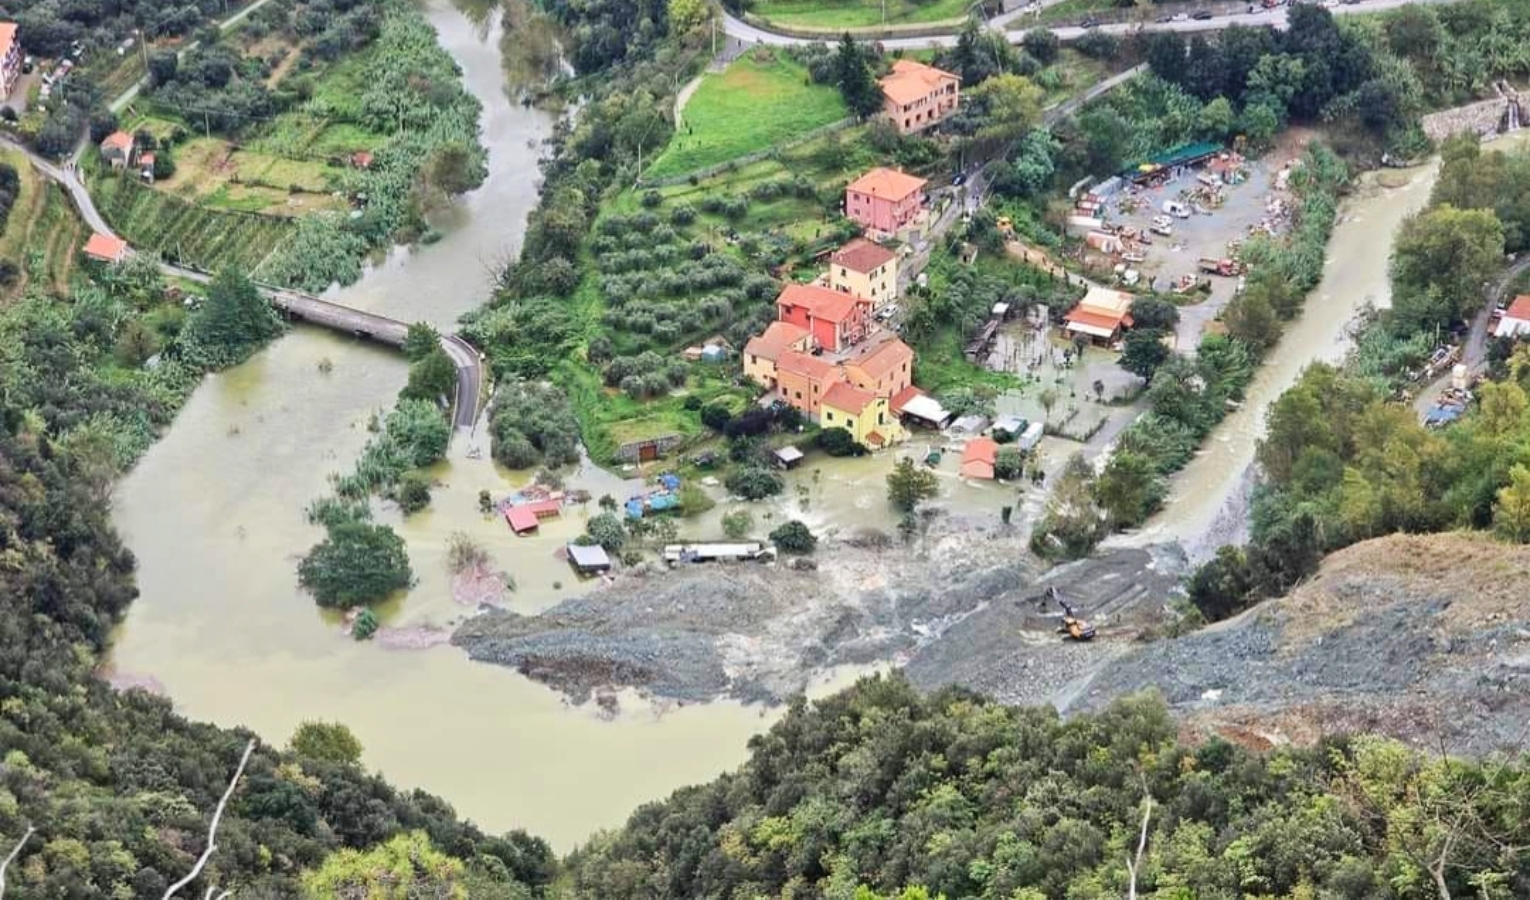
<point x="764" y="350"/>
<point x="865" y="269"/>
<point x="861" y="413"/>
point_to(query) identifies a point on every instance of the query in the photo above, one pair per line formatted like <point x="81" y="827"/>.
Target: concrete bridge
<point x="296" y="304"/>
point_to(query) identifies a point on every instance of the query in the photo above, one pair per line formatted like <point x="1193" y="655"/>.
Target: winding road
<point x="299" y="305"/>
<point x="737" y="28"/>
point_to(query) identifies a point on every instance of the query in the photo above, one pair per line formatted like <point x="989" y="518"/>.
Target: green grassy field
<point x="207" y="238"/>
<point x="755" y="104"/>
<point x="858" y="13"/>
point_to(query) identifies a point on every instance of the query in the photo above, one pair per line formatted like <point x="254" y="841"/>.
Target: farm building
<point x="117" y="149"/>
<point x="588" y="560"/>
<point x="978" y="458"/>
<point x="105" y="248"/>
<point x="1516" y="319"/>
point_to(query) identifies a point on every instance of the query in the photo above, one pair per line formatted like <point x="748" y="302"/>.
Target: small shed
<point x="1014" y="425"/>
<point x="971" y="425"/>
<point x="588" y="559"/>
<point x="522" y="520"/>
<point x="788" y="456"/>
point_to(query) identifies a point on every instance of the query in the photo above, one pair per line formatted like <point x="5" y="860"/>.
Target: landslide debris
<point x="1426" y="638"/>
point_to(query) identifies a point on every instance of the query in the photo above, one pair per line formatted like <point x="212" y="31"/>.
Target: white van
<point x="1176" y="209"/>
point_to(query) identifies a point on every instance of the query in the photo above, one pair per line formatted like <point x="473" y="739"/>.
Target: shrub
<point x="794" y="537"/>
<point x="694" y="501"/>
<point x="838" y="442"/>
<point x="413" y="492"/>
<point x="738" y="523"/>
<point x="755" y="483"/>
<point x="606" y="530"/>
<point x="716" y="416"/>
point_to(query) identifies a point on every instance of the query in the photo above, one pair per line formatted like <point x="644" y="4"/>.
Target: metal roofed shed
<point x="927" y="409"/>
<point x="788" y="456"/>
<point x="972" y="425"/>
<point x="588" y="559"/>
<point x="721" y="552"/>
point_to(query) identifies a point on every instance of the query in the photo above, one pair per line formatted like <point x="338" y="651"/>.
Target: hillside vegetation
<point x="880" y="792"/>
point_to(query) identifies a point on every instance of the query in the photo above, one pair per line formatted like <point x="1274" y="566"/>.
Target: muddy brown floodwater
<point x="214" y="513"/>
<point x="1208" y="503"/>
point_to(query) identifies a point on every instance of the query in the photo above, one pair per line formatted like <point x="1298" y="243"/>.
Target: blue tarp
<point x="670" y="480"/>
<point x="660" y="502"/>
<point x="635" y="508"/>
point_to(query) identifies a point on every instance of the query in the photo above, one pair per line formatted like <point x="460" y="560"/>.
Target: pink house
<point x="885" y="200"/>
<point x="10" y="59"/>
<point x="834" y="319"/>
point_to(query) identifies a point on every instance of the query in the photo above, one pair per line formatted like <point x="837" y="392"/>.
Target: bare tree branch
<point x="15" y="852"/>
<point x="1134" y="866"/>
<point x="212" y="829"/>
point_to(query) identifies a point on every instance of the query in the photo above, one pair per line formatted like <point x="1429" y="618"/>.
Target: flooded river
<point x="215" y="515"/>
<point x="1208" y="504"/>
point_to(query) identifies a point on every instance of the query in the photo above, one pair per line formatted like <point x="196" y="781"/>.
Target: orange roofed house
<point x="862" y="413"/>
<point x="803" y="379"/>
<point x="117" y="149"/>
<point x="834" y="320"/>
<point x="979" y="457"/>
<point x="885" y="200"/>
<point x="916" y="96"/>
<point x="1101" y="315"/>
<point x="106" y="248"/>
<point x="10" y="59"/>
<point x="764" y="350"/>
<point x="865" y="270"/>
<point x="886" y="370"/>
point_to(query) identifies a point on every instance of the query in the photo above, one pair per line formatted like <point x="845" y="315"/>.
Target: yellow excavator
<point x="1072" y="625"/>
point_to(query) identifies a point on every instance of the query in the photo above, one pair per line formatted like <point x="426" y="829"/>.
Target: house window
<point x="850" y="424"/>
<point x="799" y="394"/>
<point x="828" y="416"/>
<point x="843" y="272"/>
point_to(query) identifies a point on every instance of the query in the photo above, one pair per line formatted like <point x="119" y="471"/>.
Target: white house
<point x="1516" y="319"/>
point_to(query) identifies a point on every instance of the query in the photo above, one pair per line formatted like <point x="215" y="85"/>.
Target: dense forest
<point x="881" y="792"/>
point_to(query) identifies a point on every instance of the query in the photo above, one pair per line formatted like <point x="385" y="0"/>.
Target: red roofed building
<point x="1101" y="315"/>
<point x="862" y="413"/>
<point x="885" y="200"/>
<point x="10" y="58"/>
<point x="887" y="369"/>
<point x="866" y="270"/>
<point x="978" y="458"/>
<point x="916" y="96"/>
<point x="1516" y="319"/>
<point x="117" y="149"/>
<point x="803" y="380"/>
<point x="835" y="320"/>
<point x="106" y="248"/>
<point x="764" y="350"/>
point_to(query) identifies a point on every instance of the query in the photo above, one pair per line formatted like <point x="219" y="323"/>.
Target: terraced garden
<point x="198" y="236"/>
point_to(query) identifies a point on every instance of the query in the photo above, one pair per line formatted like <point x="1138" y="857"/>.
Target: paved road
<point x="468" y="360"/>
<point x="742" y="30"/>
<point x="128" y="95"/>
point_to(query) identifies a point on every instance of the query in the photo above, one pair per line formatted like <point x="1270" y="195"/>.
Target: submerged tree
<point x="357" y="563"/>
<point x="231" y="325"/>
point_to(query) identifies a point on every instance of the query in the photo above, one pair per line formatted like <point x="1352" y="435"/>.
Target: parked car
<point x="1202" y="15"/>
<point x="1090" y="22"/>
<point x="959" y="180"/>
<point x="1179" y="17"/>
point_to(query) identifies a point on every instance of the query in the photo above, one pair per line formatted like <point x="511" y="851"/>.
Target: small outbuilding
<point x="588" y="559"/>
<point x="979" y="457"/>
<point x="1516" y="319"/>
<point x="105" y="248"/>
<point x="788" y="457"/>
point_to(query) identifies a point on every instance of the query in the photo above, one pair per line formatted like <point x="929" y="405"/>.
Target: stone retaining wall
<point x="1483" y="117"/>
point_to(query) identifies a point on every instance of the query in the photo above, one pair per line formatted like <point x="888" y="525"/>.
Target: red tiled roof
<point x="117" y="140"/>
<point x="861" y="255"/>
<point x="543" y="509"/>
<point x="983" y="450"/>
<point x="797" y="363"/>
<point x="521" y="519"/>
<point x="1520" y="308"/>
<point x="900" y="399"/>
<point x="847" y="398"/>
<point x="7" y="37"/>
<point x="105" y="247"/>
<point x="911" y="80"/>
<point x="1097" y="319"/>
<point x="875" y="439"/>
<point x="886" y="358"/>
<point x="887" y="184"/>
<point x="821" y="302"/>
<point x="775" y="340"/>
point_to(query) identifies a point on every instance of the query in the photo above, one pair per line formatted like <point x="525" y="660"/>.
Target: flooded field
<point x="214" y="514"/>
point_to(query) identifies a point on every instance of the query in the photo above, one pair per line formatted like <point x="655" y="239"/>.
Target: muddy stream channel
<point x="214" y="514"/>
